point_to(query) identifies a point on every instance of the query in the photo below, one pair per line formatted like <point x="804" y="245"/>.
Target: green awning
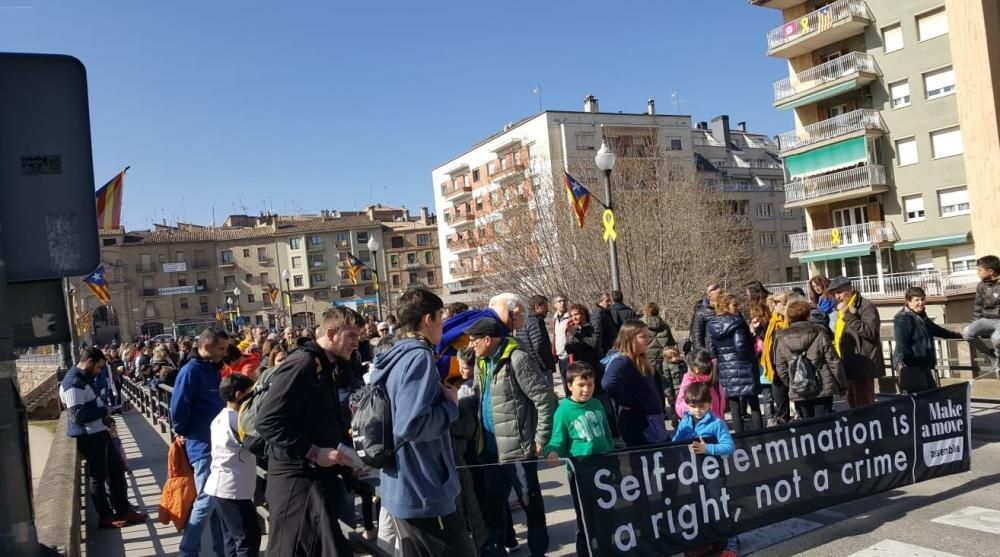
<point x="932" y="242"/>
<point x="827" y="159"/>
<point x="820" y="95"/>
<point x="839" y="253"/>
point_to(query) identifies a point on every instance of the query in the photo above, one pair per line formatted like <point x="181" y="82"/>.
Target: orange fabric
<point x="179" y="492"/>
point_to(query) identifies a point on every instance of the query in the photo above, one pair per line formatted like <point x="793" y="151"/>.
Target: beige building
<point x="174" y="279"/>
<point x="412" y="255"/>
<point x="877" y="155"/>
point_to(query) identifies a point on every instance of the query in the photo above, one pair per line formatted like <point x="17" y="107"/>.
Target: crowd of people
<point x="475" y="407"/>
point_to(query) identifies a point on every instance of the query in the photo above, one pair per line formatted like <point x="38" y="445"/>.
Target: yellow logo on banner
<point x="609" y="225"/>
<point x="835" y="237"/>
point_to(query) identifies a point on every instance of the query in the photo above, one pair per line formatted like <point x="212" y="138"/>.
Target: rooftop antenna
<point x="675" y="99"/>
<point x="537" y="90"/>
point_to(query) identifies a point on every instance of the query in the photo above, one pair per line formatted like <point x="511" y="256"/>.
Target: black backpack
<point x="371" y="425"/>
<point x="805" y="381"/>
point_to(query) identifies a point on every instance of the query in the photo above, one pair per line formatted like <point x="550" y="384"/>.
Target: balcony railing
<point x="462" y="245"/>
<point x="455" y="190"/>
<point x="839" y="182"/>
<point x="875" y="232"/>
<point x="462" y="219"/>
<point x="145" y="267"/>
<point x="146" y="292"/>
<point x="200" y="264"/>
<point x="854" y="121"/>
<point x="315" y="265"/>
<point x="853" y="63"/>
<point x="265" y="261"/>
<point x="894" y="285"/>
<point x="461" y="272"/>
<point x="815" y="22"/>
<point x="227" y="263"/>
<point x="314" y="246"/>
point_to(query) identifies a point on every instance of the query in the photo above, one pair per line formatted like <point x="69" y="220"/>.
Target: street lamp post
<point x="229" y="310"/>
<point x="605" y="160"/>
<point x="288" y="294"/>
<point x="236" y="293"/>
<point x="373" y="247"/>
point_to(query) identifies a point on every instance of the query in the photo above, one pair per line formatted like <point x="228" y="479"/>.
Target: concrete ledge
<point x="58" y="516"/>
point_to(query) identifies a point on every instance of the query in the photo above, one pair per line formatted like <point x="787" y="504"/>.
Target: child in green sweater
<point x="580" y="428"/>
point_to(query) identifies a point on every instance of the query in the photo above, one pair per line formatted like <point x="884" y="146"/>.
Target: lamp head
<point x="605" y="158"/>
<point x="374" y="244"/>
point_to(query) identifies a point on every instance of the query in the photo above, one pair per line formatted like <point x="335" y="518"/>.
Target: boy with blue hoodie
<point x="420" y="487"/>
<point x="697" y="424"/>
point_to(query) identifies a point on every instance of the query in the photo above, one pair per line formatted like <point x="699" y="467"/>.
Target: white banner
<point x="179" y="267"/>
<point x="175" y="290"/>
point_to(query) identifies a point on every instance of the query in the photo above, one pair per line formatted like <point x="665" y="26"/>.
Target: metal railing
<point x="816" y="22"/>
<point x="450" y="190"/>
<point x="875" y="232"/>
<point x="856" y="120"/>
<point x="837" y="182"/>
<point x="145" y="267"/>
<point x="855" y="62"/>
<point x="894" y="285"/>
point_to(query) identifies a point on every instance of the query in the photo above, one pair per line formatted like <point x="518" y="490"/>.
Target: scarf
<point x="838" y="330"/>
<point x="776" y="324"/>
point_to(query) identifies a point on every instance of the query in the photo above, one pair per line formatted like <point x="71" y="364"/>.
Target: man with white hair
<point x="510" y="308"/>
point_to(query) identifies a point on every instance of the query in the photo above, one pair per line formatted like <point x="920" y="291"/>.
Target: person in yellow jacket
<point x="857" y="340"/>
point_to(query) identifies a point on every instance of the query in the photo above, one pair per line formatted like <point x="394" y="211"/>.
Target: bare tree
<point x="674" y="236"/>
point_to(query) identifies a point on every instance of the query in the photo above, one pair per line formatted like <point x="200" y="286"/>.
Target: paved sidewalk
<point x="39" y="443"/>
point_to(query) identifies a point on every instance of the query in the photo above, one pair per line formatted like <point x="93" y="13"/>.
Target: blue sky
<point x="302" y="106"/>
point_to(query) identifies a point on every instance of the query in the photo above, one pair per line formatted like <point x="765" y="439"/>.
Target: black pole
<point x="288" y="300"/>
<point x="612" y="249"/>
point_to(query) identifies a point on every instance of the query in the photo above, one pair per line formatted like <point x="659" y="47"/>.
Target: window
<point x="765" y="210"/>
<point x="793" y="274"/>
<point x="162" y="258"/>
<point x="297" y="280"/>
<point x="229" y="282"/>
<point x="203" y="304"/>
<point x="962" y="259"/>
<point x="892" y="38"/>
<point x="369" y="291"/>
<point x="837" y="110"/>
<point x="366" y="274"/>
<point x="954" y="201"/>
<point x="924" y="260"/>
<point x="109" y="242"/>
<point x="258" y="319"/>
<point x="933" y="24"/>
<point x="411" y="258"/>
<point x="261" y="254"/>
<point x="475" y="175"/>
<point x="298" y="297"/>
<point x="767" y="239"/>
<point x="786" y="240"/>
<point x="946" y="142"/>
<point x="150" y="309"/>
<point x="423" y="239"/>
<point x="900" y="93"/>
<point x="317" y="277"/>
<point x="183" y="302"/>
<point x="297" y="262"/>
<point x="584" y="141"/>
<point x="413" y="278"/>
<point x="394" y="260"/>
<point x="265" y="279"/>
<point x="429" y="257"/>
<point x="939" y="83"/>
<point x="395" y="281"/>
<point x="787" y="213"/>
<point x="503" y="163"/>
<point x="430" y="277"/>
<point x="396" y="242"/>
<point x="201" y="285"/>
<point x="479" y="203"/>
<point x="346" y="292"/>
<point x="227" y="256"/>
<point x="343" y="275"/>
<point x="246" y="252"/>
<point x="251" y="298"/>
<point x="293" y="243"/>
<point x="906" y="151"/>
<point x="179" y="256"/>
<point x="343" y="239"/>
<point x="315" y="240"/>
<point x="675" y="143"/>
<point x="182" y="279"/>
<point x="491" y="168"/>
<point x="362" y="237"/>
<point x="322" y="295"/>
<point x="913" y="206"/>
<point x="316" y="262"/>
<point x="248" y="278"/>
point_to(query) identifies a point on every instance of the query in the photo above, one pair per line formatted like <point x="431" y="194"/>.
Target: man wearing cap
<point x="857" y="340"/>
<point x="516" y="409"/>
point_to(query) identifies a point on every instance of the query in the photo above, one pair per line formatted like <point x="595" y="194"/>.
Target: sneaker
<point x="729" y="553"/>
<point x="133" y="516"/>
<point x="111" y="522"/>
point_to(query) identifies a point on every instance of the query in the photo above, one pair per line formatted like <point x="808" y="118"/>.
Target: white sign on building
<point x="179" y="267"/>
<point x="175" y="290"/>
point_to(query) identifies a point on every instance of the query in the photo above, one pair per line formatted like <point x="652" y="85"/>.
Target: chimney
<point x="742" y="126"/>
<point x="720" y="129"/>
<point x="425" y="215"/>
<point x="651" y="107"/>
<point x="702" y="125"/>
<point x="590" y="104"/>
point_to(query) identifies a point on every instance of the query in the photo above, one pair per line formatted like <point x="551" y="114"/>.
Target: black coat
<point x="732" y="344"/>
<point x="987" y="302"/>
<point x="600" y="319"/>
<point x="585" y="346"/>
<point x="702" y="313"/>
<point x="861" y="342"/>
<point x="534" y="338"/>
<point x="620" y="313"/>
<point x="914" y="334"/>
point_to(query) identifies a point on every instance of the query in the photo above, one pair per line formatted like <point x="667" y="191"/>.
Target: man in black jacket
<point x="600" y="320"/>
<point x="301" y="420"/>
<point x="534" y="336"/>
<point x="620" y="313"/>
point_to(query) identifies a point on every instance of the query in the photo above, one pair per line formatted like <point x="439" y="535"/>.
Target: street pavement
<point x="955" y="515"/>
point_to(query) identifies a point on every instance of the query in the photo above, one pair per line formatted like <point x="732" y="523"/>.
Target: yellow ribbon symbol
<point x="609" y="225"/>
<point x="835" y="237"/>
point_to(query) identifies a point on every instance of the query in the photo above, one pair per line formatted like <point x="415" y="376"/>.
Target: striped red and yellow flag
<point x="109" y="202"/>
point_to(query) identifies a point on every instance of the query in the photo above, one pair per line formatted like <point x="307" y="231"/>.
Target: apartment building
<point x="173" y="279"/>
<point x="412" y="255"/>
<point x="876" y="155"/>
<point x="746" y="168"/>
<point x="525" y="162"/>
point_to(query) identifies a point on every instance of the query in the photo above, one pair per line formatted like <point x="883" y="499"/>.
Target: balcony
<point x="265" y="261"/>
<point x="826" y="80"/>
<point x="455" y="192"/>
<point x="317" y="265"/>
<point x="463" y="245"/>
<point x="776" y="4"/>
<point x="227" y="263"/>
<point x="343" y="243"/>
<point x="463" y="272"/>
<point x="147" y="292"/>
<point x="512" y="172"/>
<point x="462" y="220"/>
<point x="318" y="246"/>
<point x="145" y="267"/>
<point x="846" y="184"/>
<point x="894" y="285"/>
<point x="860" y="121"/>
<point x="856" y="235"/>
<point x="200" y="264"/>
<point x="823" y="27"/>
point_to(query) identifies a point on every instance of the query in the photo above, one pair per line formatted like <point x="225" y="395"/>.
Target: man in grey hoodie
<point x="420" y="488"/>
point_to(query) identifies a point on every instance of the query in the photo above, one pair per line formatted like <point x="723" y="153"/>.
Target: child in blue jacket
<point x="697" y="424"/>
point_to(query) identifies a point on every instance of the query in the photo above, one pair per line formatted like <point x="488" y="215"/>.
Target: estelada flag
<point x="219" y="315"/>
<point x="579" y="198"/>
<point x="109" y="202"/>
<point x="354" y="267"/>
<point x="83" y="323"/>
<point x="98" y="284"/>
<point x="273" y="292"/>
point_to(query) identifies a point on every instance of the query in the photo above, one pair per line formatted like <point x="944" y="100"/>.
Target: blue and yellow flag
<point x="98" y="284"/>
<point x="354" y="267"/>
<point x="579" y="198"/>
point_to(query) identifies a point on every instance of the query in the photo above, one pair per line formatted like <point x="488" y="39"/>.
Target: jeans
<point x="814" y="407"/>
<point x="736" y="405"/>
<point x="239" y="526"/>
<point x="104" y="465"/>
<point x="203" y="510"/>
<point x="983" y="327"/>
<point x="782" y="407"/>
<point x="523" y="478"/>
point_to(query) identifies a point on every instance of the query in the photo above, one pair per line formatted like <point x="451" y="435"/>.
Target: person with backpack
<point x="806" y="361"/>
<point x="419" y="484"/>
<point x="301" y="421"/>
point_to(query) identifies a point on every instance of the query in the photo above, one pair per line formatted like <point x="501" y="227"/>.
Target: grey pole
<point x="378" y="286"/>
<point x="612" y="249"/>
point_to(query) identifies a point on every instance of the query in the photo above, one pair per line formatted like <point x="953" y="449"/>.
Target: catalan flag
<point x="354" y="267"/>
<point x="83" y="323"/>
<point x="219" y="314"/>
<point x="109" y="202"/>
<point x="273" y="292"/>
<point x="579" y="198"/>
<point x="98" y="284"/>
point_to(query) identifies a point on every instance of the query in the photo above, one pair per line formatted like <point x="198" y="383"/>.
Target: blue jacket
<point x="85" y="409"/>
<point x="195" y="403"/>
<point x="732" y="344"/>
<point x="423" y="482"/>
<point x="707" y="426"/>
<point x="637" y="400"/>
